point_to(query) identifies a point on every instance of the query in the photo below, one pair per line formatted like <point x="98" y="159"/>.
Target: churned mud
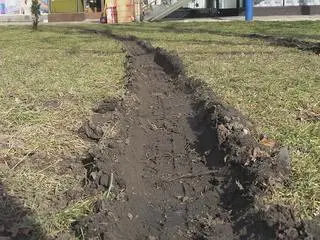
<point x="174" y="163"/>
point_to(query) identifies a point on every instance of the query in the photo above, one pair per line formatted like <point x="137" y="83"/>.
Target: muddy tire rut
<point x="181" y="164"/>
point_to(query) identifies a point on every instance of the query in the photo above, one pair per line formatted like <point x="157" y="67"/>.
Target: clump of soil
<point x="181" y="165"/>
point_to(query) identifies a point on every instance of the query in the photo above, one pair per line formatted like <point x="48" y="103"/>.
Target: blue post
<point x="249" y="10"/>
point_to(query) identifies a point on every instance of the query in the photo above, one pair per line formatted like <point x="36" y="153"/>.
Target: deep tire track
<point x="171" y="126"/>
<point x="289" y="42"/>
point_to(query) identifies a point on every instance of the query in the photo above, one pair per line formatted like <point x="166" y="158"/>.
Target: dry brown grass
<point x="49" y="81"/>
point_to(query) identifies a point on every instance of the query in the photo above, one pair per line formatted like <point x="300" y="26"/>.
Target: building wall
<point x="257" y="3"/>
<point x="277" y="3"/>
<point x="197" y="4"/>
<point x="228" y="4"/>
<point x="66" y="6"/>
<point x="21" y="6"/>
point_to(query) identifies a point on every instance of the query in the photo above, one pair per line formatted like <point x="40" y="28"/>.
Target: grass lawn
<point x="273" y="85"/>
<point x="50" y="79"/>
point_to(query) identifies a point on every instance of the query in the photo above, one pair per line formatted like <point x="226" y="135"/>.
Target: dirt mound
<point x="290" y="42"/>
<point x="179" y="164"/>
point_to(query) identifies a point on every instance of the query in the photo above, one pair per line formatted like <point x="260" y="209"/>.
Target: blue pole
<point x="249" y="10"/>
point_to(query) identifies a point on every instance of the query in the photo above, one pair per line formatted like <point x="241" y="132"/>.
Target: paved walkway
<point x="222" y="19"/>
<point x="258" y="18"/>
<point x="45" y="22"/>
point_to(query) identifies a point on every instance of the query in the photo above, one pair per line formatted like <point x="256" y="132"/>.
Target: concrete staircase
<point x="158" y="12"/>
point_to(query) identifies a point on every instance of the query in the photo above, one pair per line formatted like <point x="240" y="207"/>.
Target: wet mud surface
<point x="175" y="163"/>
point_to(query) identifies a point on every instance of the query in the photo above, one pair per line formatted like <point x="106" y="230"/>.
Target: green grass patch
<point x="50" y="79"/>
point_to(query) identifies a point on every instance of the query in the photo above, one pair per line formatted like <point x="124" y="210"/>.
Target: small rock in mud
<point x="104" y="180"/>
<point x="130" y="216"/>
<point x="93" y="175"/>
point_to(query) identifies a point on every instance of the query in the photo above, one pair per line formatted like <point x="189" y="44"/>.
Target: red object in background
<point x="112" y="16"/>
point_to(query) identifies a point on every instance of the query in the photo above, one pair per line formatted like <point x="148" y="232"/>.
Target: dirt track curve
<point x="181" y="165"/>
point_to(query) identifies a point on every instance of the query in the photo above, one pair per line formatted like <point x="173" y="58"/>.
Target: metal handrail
<point x="147" y="5"/>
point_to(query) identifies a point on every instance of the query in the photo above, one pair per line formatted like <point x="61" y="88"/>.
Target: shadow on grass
<point x="16" y="221"/>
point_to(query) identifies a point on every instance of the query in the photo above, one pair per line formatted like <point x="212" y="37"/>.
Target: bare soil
<point x="179" y="164"/>
<point x="290" y="42"/>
